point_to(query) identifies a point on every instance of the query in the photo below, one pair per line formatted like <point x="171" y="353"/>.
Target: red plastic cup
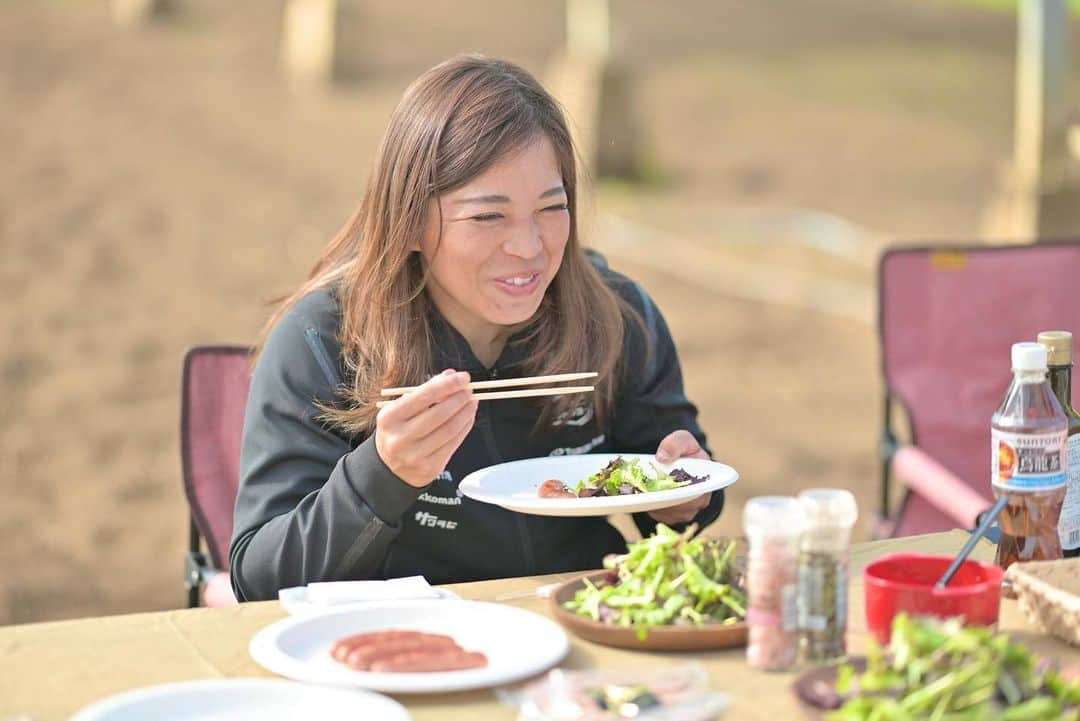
<point x="905" y="582"/>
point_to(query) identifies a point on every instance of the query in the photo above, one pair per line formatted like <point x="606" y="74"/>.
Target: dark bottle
<point x="1059" y="361"/>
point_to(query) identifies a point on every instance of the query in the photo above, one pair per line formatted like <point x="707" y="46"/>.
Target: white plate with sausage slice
<point x="515" y="485"/>
<point x="503" y="643"/>
<point x="243" y="699"/>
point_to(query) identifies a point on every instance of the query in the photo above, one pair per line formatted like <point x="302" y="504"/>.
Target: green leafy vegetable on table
<point x="668" y="578"/>
<point x="941" y="671"/>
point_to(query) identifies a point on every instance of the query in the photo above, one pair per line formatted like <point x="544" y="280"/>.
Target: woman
<point x="462" y="258"/>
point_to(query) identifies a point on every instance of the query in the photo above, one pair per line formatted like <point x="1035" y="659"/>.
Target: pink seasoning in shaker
<point x="774" y="526"/>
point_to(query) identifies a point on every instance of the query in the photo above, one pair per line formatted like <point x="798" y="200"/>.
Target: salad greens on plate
<point x="621" y="477"/>
<point x="941" y="671"/>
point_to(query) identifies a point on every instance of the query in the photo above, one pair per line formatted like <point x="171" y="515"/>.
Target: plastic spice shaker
<point x="823" y="573"/>
<point x="773" y="526"/>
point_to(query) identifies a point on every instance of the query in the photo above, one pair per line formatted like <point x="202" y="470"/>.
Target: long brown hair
<point x="453" y="123"/>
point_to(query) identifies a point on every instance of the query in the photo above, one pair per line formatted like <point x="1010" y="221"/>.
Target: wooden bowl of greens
<point x="668" y="592"/>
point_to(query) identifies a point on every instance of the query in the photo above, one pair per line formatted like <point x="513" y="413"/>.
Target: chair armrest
<point x="216" y="586"/>
<point x="218" y="591"/>
<point x="917" y="470"/>
<point x="197" y="569"/>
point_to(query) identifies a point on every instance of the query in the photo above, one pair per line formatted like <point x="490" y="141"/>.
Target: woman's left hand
<point x="680" y="444"/>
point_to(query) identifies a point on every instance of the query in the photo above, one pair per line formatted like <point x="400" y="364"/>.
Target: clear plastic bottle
<point x="773" y="527"/>
<point x="1029" y="460"/>
<point x="823" y="573"/>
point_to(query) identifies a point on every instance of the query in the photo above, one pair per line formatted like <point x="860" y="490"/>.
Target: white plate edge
<point x="98" y="710"/>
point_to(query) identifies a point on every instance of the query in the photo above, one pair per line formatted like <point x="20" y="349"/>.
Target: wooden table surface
<point x="50" y="670"/>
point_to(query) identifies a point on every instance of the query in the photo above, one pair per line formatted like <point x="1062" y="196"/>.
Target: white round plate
<point x="295" y="601"/>
<point x="517" y="643"/>
<point x="513" y="485"/>
<point x="243" y="699"/>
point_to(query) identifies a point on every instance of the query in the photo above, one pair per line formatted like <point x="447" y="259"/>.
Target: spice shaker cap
<point x="829" y="508"/>
<point x="773" y="516"/>
<point x="1059" y="347"/>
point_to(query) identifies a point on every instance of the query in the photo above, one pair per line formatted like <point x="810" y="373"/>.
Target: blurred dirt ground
<point x="157" y="188"/>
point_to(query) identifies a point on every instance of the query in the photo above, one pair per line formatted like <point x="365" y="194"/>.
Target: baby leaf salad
<point x="941" y="670"/>
<point x="668" y="578"/>
<point x="622" y="477"/>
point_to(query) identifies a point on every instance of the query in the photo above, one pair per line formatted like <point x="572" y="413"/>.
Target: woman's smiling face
<point x="493" y="246"/>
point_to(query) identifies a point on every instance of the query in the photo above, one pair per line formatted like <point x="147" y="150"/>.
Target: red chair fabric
<point x="948" y="318"/>
<point x="214" y="393"/>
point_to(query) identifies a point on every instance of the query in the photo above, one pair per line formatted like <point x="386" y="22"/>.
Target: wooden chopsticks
<point x="512" y="383"/>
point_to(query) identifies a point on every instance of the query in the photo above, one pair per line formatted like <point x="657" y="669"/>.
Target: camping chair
<point x="948" y="317"/>
<point x="213" y="392"/>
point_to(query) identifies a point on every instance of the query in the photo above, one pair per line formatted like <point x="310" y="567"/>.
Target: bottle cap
<point x="773" y="516"/>
<point x="829" y="508"/>
<point x="1028" y="357"/>
<point x="1059" y="347"/>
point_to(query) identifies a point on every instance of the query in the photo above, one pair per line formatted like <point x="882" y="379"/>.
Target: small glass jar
<point x="830" y="514"/>
<point x="773" y="527"/>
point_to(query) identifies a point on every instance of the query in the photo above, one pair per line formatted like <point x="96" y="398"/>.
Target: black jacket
<point x="316" y="505"/>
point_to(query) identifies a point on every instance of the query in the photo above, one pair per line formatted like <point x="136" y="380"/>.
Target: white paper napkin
<point x="318" y="597"/>
<point x="394" y="589"/>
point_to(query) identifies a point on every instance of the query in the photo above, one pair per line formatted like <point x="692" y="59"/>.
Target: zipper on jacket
<point x="311" y="334"/>
<point x="489" y="438"/>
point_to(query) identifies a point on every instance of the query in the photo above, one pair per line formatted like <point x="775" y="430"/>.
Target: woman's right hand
<point x="418" y="433"/>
